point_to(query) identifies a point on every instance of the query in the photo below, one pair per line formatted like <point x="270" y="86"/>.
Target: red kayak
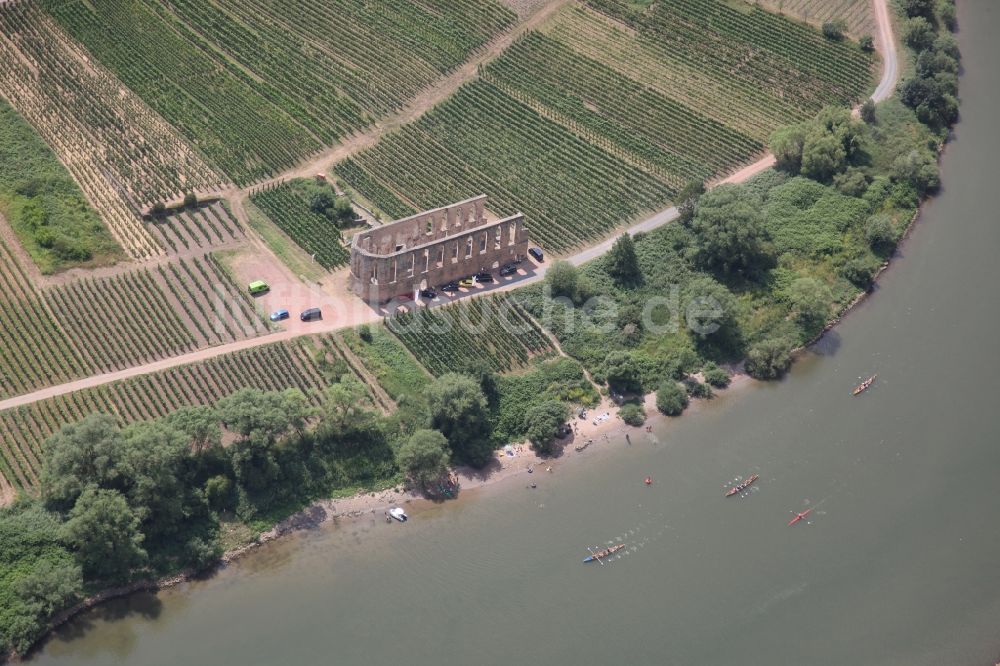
<point x="743" y="486"/>
<point x="799" y="517"/>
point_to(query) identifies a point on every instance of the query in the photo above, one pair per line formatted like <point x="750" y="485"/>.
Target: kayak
<point x="743" y="486"/>
<point x="799" y="517"/>
<point x="863" y="386"/>
<point x="603" y="553"/>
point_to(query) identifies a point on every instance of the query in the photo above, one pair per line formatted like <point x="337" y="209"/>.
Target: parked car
<point x="258" y="287"/>
<point x="279" y="315"/>
<point x="428" y="293"/>
<point x="508" y="269"/>
<point x="451" y="286"/>
<point x="537" y="253"/>
<point x="312" y="314"/>
<point x="468" y="282"/>
<point x="484" y="276"/>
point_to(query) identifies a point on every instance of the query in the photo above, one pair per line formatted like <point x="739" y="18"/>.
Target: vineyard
<point x="257" y="86"/>
<point x="679" y="143"/>
<point x="193" y="230"/>
<point x="352" y="174"/>
<point x="276" y="366"/>
<point x="122" y="155"/>
<point x="493" y="329"/>
<point x="314" y="233"/>
<point x="482" y="140"/>
<point x="857" y="14"/>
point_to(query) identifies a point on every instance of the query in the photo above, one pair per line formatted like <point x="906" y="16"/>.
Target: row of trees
<point x="933" y="91"/>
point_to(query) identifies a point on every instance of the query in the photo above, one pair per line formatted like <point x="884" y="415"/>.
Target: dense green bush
<point x="715" y="376"/>
<point x="542" y="423"/>
<point x="770" y="358"/>
<point x="671" y="398"/>
<point x="633" y="414"/>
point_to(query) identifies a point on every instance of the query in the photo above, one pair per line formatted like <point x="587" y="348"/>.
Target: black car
<point x="508" y="269"/>
<point x="312" y="314"/>
<point x="428" y="293"/>
<point x="537" y="253"/>
<point x="484" y="277"/>
<point x="451" y="286"/>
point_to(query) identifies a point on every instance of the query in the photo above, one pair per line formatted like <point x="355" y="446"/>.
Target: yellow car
<point x="468" y="282"/>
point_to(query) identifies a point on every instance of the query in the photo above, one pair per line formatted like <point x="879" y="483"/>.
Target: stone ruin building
<point x="433" y="248"/>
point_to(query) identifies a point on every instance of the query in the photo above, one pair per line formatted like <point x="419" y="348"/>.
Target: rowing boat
<point x="603" y="553"/>
<point x="799" y="516"/>
<point x="863" y="386"/>
<point x="743" y="486"/>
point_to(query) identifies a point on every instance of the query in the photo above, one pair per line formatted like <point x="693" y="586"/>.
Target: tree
<point x="320" y="201"/>
<point x="769" y="358"/>
<point x="866" y="43"/>
<point x="822" y="156"/>
<point x="923" y="8"/>
<point x="424" y="456"/>
<point x="919" y="33"/>
<point x="834" y="29"/>
<point x="810" y="300"/>
<point x="786" y="144"/>
<point x="458" y="410"/>
<point x="343" y="402"/>
<point x="946" y="10"/>
<point x="104" y="532"/>
<point x="272" y="414"/>
<point x="729" y="233"/>
<point x="542" y="423"/>
<point x="88" y="452"/>
<point x="159" y="209"/>
<point x="562" y="279"/>
<point x="200" y="424"/>
<point x="190" y="200"/>
<point x="622" y="262"/>
<point x="343" y="211"/>
<point x="671" y="398"/>
<point x="879" y="233"/>
<point x="687" y="201"/>
<point x="711" y="315"/>
<point x="158" y="490"/>
<point x="868" y="111"/>
<point x="50" y="586"/>
<point x="852" y="183"/>
<point x="622" y="372"/>
<point x="918" y="168"/>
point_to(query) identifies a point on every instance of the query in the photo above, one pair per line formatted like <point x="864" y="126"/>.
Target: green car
<point x="258" y="287"/>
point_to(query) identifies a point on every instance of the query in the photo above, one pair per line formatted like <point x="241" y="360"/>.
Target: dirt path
<point x="346" y="310"/>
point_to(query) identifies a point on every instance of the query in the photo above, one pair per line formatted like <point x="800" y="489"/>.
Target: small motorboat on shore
<point x="398" y="514"/>
<point x="742" y="486"/>
<point x="603" y="553"/>
<point x="863" y="386"/>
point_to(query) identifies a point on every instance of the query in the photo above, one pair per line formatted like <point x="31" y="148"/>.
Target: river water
<point x="899" y="562"/>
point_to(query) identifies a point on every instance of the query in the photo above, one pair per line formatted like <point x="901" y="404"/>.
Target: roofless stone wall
<point x="432" y="248"/>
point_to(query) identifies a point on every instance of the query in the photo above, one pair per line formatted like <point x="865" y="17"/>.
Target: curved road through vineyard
<point x="360" y="313"/>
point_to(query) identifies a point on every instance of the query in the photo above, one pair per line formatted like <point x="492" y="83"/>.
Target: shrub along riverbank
<point x="750" y="271"/>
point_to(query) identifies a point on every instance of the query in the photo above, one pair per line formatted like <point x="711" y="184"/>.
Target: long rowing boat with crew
<point x="863" y="386"/>
<point x="742" y="486"/>
<point x="603" y="553"/>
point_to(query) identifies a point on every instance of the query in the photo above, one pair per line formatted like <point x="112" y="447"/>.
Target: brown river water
<point x="898" y="563"/>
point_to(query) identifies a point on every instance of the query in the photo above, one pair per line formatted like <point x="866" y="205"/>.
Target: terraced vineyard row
<point x="482" y="140"/>
<point x="34" y="350"/>
<point x="493" y="329"/>
<point x="857" y="14"/>
<point x="315" y="233"/>
<point x="378" y="195"/>
<point x="257" y="86"/>
<point x="216" y="310"/>
<point x="121" y="153"/>
<point x="782" y="57"/>
<point x="639" y="120"/>
<point x="204" y="227"/>
<point x="277" y="366"/>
